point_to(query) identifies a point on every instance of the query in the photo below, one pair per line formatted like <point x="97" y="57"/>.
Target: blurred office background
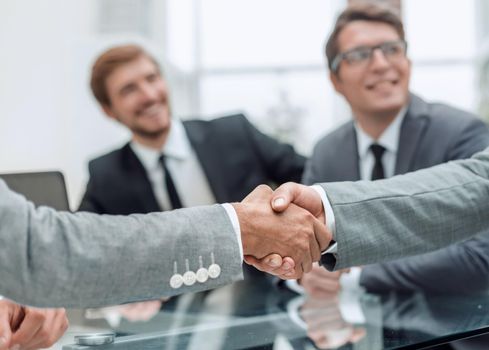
<point x="264" y="58"/>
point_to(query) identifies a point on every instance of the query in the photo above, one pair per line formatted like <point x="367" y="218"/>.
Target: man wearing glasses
<point x="393" y="132"/>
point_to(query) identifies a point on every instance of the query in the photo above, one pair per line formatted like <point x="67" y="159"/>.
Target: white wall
<point x="443" y="46"/>
<point x="36" y="91"/>
<point x="49" y="119"/>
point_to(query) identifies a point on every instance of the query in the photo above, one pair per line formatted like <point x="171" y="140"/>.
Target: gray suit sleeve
<point x="410" y="214"/>
<point x="460" y="268"/>
<point x="50" y="258"/>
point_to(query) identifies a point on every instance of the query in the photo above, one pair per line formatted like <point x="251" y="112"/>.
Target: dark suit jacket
<point x="430" y="134"/>
<point x="234" y="155"/>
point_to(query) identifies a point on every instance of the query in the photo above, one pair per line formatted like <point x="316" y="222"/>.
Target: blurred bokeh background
<point x="264" y="58"/>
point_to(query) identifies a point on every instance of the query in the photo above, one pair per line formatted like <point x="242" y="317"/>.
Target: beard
<point x="150" y="134"/>
<point x="139" y="128"/>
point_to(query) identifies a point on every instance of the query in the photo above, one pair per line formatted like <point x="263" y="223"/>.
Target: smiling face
<point x="139" y="98"/>
<point x="379" y="88"/>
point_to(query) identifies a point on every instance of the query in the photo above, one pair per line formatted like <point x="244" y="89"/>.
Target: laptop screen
<point x="42" y="188"/>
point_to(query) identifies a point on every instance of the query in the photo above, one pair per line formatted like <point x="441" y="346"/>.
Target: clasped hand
<point x="24" y="327"/>
<point x="283" y="231"/>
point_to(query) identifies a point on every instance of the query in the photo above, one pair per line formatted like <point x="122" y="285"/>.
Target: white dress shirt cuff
<point x="294" y="286"/>
<point x="349" y="306"/>
<point x="293" y="308"/>
<point x="235" y="222"/>
<point x="351" y="280"/>
<point x="328" y="210"/>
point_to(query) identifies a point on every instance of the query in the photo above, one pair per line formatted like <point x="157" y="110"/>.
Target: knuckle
<point x="303" y="246"/>
<point x="38" y="316"/>
<point x="306" y="217"/>
<point x="44" y="335"/>
<point x="65" y="325"/>
<point x="263" y="187"/>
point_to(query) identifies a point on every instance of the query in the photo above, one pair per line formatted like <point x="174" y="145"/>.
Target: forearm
<point x="61" y="259"/>
<point x="410" y="214"/>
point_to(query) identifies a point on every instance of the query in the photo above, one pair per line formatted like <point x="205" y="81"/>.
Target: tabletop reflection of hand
<point x="141" y="311"/>
<point x="325" y="324"/>
<point x="321" y="283"/>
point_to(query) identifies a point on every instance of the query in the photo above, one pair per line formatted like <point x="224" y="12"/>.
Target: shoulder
<point x="329" y="143"/>
<point x="232" y="129"/>
<point x="459" y="133"/>
<point x="109" y="161"/>
<point x="446" y="118"/>
<point x="218" y="123"/>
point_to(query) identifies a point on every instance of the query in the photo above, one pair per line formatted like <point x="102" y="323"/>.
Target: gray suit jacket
<point x="430" y="134"/>
<point x="50" y="258"/>
<point x="410" y="214"/>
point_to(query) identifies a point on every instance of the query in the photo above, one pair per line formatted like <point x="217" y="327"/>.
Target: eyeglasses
<point x="362" y="54"/>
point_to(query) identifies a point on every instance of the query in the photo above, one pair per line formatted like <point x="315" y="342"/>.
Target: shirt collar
<point x="177" y="146"/>
<point x="389" y="138"/>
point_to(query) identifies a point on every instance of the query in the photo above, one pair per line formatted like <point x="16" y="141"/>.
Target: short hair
<point x="109" y="61"/>
<point x="362" y="11"/>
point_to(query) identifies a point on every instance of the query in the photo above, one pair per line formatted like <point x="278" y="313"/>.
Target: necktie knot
<point x="377" y="150"/>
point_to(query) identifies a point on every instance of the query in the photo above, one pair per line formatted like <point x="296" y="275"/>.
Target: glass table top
<point x="258" y="313"/>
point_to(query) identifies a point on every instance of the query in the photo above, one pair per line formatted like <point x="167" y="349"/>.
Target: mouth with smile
<point x="382" y="84"/>
<point x="152" y="110"/>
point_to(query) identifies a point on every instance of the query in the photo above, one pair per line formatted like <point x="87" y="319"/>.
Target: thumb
<point x="284" y="195"/>
<point x="5" y="330"/>
<point x="303" y="196"/>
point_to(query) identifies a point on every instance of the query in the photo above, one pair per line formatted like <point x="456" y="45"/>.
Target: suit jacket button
<point x="189" y="278"/>
<point x="214" y="271"/>
<point x="202" y="275"/>
<point x="176" y="281"/>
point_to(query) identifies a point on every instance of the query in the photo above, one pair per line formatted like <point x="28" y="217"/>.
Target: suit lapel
<point x="138" y="181"/>
<point x="205" y="148"/>
<point x="349" y="169"/>
<point x="412" y="129"/>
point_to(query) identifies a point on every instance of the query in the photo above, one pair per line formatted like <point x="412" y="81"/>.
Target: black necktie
<point x="378" y="170"/>
<point x="170" y="186"/>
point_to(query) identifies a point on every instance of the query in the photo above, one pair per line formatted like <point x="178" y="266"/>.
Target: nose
<point x="378" y="60"/>
<point x="148" y="91"/>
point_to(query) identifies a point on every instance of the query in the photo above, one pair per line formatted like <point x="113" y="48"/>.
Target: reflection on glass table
<point x="261" y="315"/>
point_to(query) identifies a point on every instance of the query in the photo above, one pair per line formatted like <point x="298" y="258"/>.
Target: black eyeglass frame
<point x="335" y="65"/>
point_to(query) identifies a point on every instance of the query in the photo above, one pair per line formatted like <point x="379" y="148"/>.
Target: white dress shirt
<point x="389" y="140"/>
<point x="187" y="174"/>
<point x="182" y="162"/>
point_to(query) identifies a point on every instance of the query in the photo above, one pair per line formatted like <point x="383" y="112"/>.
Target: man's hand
<point x="300" y="195"/>
<point x="273" y="264"/>
<point x="294" y="232"/>
<point x="28" y="328"/>
<point x="304" y="197"/>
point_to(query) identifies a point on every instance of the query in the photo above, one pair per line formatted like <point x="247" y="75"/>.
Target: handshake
<point x="283" y="231"/>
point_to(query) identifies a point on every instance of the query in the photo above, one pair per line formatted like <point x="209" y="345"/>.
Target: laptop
<point x="42" y="188"/>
